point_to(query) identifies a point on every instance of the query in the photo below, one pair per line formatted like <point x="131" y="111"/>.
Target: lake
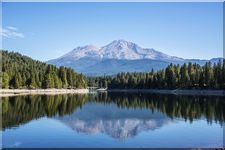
<point x="112" y="120"/>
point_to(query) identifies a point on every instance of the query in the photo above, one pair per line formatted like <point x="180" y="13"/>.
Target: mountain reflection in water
<point x="120" y="115"/>
<point x="116" y="122"/>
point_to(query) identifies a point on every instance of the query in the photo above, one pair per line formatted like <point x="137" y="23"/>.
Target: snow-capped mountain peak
<point x="84" y="51"/>
<point x="120" y="49"/>
<point x="118" y="56"/>
<point x="117" y="49"/>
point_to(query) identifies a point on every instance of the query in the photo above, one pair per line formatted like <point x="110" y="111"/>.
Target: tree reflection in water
<point x="21" y="109"/>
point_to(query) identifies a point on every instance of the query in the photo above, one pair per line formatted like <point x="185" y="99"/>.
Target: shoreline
<point x="198" y="92"/>
<point x="15" y="92"/>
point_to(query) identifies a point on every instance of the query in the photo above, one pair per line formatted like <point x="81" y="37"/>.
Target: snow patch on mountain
<point x="119" y="56"/>
<point x="118" y="49"/>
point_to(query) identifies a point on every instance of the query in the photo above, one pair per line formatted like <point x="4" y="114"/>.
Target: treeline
<point x="186" y="76"/>
<point x="20" y="71"/>
<point x="189" y="108"/>
<point x="18" y="110"/>
<point x="21" y="109"/>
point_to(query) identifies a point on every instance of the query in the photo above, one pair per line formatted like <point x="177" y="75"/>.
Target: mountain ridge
<point x="118" y="49"/>
<point x="118" y="56"/>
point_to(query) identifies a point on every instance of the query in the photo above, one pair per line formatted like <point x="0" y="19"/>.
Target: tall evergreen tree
<point x="5" y="80"/>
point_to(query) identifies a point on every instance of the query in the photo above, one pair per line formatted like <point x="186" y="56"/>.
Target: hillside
<point x="19" y="71"/>
<point x="186" y="76"/>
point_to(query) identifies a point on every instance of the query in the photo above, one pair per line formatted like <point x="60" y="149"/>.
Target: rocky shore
<point x="205" y="92"/>
<point x="13" y="92"/>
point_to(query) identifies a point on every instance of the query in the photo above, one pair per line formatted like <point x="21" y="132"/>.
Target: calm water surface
<point x="113" y="120"/>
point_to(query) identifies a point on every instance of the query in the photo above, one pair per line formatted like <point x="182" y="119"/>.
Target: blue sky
<point x="48" y="30"/>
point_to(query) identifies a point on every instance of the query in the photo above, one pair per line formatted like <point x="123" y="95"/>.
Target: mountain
<point x="96" y="118"/>
<point x="118" y="56"/>
<point x="118" y="49"/>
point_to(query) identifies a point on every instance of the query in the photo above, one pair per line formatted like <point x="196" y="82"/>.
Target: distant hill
<point x="19" y="71"/>
<point x="119" y="56"/>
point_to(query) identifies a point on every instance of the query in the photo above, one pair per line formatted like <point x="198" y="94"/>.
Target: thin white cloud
<point x="11" y="32"/>
<point x="12" y="28"/>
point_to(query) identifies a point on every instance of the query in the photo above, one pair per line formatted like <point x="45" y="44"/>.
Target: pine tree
<point x="63" y="77"/>
<point x="48" y="81"/>
<point x="69" y="76"/>
<point x="5" y="80"/>
<point x="170" y="76"/>
<point x="32" y="81"/>
<point x="223" y="75"/>
<point x="208" y="74"/>
<point x="184" y="79"/>
<point x="16" y="81"/>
